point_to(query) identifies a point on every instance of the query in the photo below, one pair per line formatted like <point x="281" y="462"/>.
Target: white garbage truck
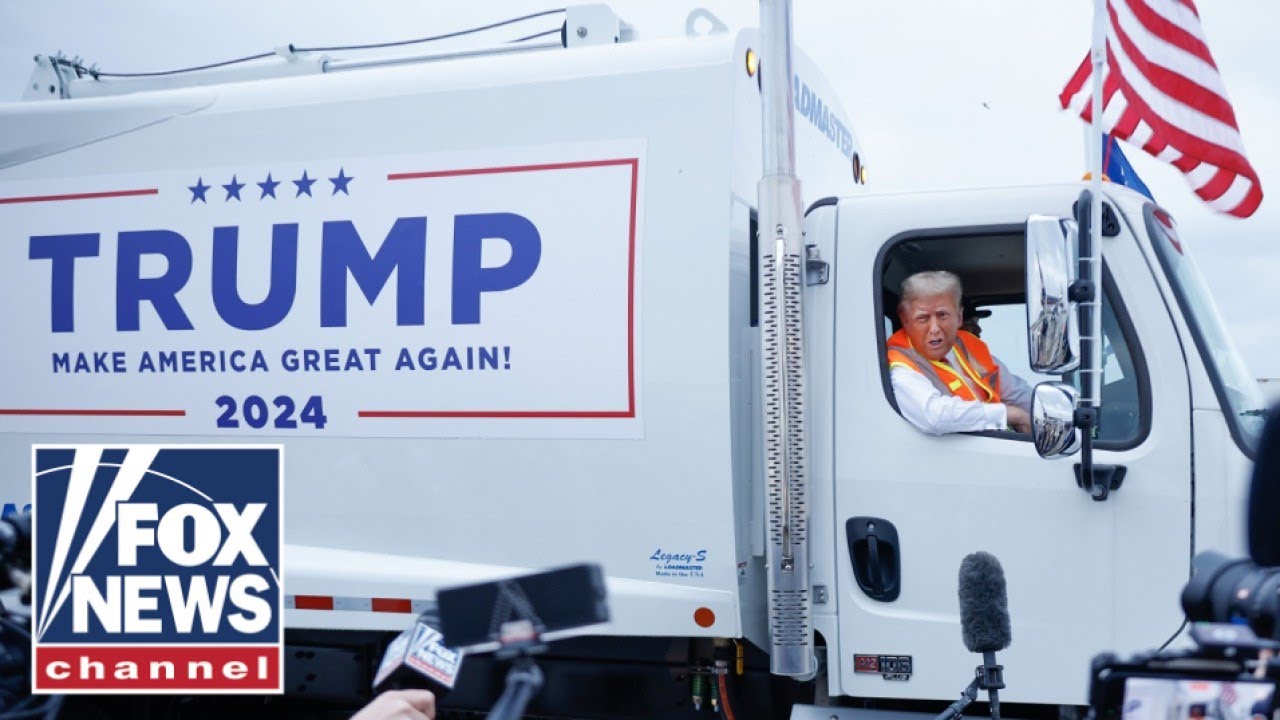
<point x="511" y="310"/>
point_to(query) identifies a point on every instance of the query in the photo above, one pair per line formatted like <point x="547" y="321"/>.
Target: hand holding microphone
<point x="416" y="669"/>
<point x="400" y="705"/>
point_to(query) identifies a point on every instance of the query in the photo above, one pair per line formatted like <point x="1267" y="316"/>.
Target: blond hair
<point x="929" y="284"/>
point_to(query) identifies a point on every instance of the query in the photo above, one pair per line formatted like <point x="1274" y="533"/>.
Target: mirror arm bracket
<point x="1086" y="418"/>
<point x="1107" y="478"/>
<point x="1081" y="291"/>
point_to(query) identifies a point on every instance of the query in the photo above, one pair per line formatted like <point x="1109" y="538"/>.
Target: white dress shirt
<point x="928" y="409"/>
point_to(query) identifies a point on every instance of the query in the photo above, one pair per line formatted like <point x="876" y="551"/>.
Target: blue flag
<point x="1116" y="167"/>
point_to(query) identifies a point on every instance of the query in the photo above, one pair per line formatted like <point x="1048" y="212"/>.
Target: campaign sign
<point x="157" y="569"/>
<point x="460" y="294"/>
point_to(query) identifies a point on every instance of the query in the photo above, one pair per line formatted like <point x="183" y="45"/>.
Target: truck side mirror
<point x="1053" y="427"/>
<point x="1053" y="331"/>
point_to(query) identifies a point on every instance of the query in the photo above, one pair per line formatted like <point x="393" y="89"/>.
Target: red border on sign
<point x="78" y="196"/>
<point x="61" y="412"/>
<point x="93" y="412"/>
<point x="630" y="412"/>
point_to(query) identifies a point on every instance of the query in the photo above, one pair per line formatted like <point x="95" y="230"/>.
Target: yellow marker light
<point x="753" y="62"/>
<point x="863" y="178"/>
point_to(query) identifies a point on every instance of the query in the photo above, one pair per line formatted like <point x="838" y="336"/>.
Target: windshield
<point x="1237" y="390"/>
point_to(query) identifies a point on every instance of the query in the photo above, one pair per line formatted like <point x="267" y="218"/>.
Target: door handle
<point x="876" y="556"/>
<point x="875" y="577"/>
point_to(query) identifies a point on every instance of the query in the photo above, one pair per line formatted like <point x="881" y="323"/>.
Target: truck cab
<point x="1180" y="418"/>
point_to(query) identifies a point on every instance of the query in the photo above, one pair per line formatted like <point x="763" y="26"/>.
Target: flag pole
<point x="1092" y="372"/>
<point x="1091" y="315"/>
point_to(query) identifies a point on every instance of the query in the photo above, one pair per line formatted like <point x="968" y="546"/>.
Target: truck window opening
<point x="992" y="270"/>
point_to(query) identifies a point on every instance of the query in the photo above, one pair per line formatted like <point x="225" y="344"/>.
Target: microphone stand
<point x="968" y="695"/>
<point x="988" y="676"/>
<point x="524" y="680"/>
<point x="991" y="677"/>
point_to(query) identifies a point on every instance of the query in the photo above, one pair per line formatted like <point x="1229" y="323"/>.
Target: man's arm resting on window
<point x="1013" y="389"/>
<point x="932" y="412"/>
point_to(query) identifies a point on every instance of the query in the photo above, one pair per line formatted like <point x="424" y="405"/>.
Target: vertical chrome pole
<point x="1091" y="373"/>
<point x="782" y="356"/>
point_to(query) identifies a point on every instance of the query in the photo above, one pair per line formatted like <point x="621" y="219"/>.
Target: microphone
<point x="985" y="628"/>
<point x="984" y="604"/>
<point x="418" y="658"/>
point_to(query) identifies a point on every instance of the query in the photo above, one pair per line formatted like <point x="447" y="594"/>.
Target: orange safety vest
<point x="976" y="364"/>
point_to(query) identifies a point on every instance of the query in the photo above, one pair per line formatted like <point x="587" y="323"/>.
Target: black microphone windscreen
<point x="1264" y="497"/>
<point x="984" y="604"/>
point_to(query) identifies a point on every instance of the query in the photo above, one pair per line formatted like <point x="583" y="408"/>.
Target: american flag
<point x="1162" y="92"/>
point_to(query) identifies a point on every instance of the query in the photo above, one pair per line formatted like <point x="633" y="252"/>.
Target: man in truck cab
<point x="945" y="379"/>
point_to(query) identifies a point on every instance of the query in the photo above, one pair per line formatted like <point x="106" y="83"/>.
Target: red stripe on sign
<point x="62" y="668"/>
<point x="392" y="605"/>
<point x="630" y="412"/>
<point x="93" y="412"/>
<point x="313" y="602"/>
<point x="507" y="169"/>
<point x="78" y="196"/>
<point x="631" y="292"/>
<point x="496" y="413"/>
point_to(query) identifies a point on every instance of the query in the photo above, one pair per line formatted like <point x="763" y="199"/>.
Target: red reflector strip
<point x="312" y="602"/>
<point x="392" y="605"/>
<point x="339" y="603"/>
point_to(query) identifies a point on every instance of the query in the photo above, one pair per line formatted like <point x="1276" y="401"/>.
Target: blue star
<point x="268" y="187"/>
<point x="198" y="190"/>
<point x="233" y="189"/>
<point x="340" y="182"/>
<point x="304" y="185"/>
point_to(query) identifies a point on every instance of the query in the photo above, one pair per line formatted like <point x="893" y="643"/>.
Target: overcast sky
<point x="941" y="93"/>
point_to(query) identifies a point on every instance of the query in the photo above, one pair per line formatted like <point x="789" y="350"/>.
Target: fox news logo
<point x="157" y="569"/>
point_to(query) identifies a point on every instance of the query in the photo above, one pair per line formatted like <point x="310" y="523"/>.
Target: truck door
<point x="1083" y="576"/>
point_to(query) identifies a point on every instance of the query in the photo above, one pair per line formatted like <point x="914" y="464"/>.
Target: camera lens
<point x="1265" y="612"/>
<point x="1233" y="590"/>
